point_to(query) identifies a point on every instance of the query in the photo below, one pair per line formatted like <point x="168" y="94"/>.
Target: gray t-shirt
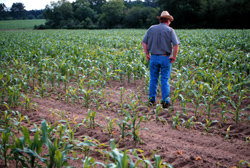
<point x="159" y="38"/>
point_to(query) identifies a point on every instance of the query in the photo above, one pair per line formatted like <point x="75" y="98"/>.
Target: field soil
<point x="181" y="147"/>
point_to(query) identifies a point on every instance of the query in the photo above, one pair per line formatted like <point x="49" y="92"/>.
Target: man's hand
<point x="148" y="56"/>
<point x="172" y="58"/>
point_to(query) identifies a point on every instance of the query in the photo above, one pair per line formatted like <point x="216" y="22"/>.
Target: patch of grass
<point x="20" y="24"/>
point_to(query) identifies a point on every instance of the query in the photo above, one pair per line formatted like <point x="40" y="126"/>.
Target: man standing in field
<point x="158" y="42"/>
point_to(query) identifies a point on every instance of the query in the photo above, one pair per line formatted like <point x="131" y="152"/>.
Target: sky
<point x="30" y="4"/>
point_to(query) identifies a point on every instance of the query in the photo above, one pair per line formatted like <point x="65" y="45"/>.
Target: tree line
<point x="17" y="11"/>
<point x="94" y="14"/>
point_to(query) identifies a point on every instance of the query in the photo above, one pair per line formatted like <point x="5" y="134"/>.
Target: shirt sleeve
<point x="174" y="38"/>
<point x="145" y="39"/>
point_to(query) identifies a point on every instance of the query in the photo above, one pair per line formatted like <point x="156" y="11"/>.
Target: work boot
<point x="165" y="105"/>
<point x="151" y="103"/>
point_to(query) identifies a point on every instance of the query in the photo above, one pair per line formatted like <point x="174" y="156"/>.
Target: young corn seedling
<point x="144" y="161"/>
<point x="242" y="162"/>
<point x="34" y="147"/>
<point x="87" y="95"/>
<point x="13" y="94"/>
<point x="209" y="100"/>
<point x="157" y="110"/>
<point x="27" y="103"/>
<point x="7" y="119"/>
<point x="228" y="130"/>
<point x="135" y="126"/>
<point x="159" y="164"/>
<point x="184" y="102"/>
<point x="18" y="119"/>
<point x="174" y="98"/>
<point x="4" y="146"/>
<point x="87" y="143"/>
<point x="237" y="113"/>
<point x="189" y="123"/>
<point x="133" y="106"/>
<point x="223" y="111"/>
<point x="16" y="149"/>
<point x="56" y="158"/>
<point x="110" y="126"/>
<point x="90" y="162"/>
<point x="197" y="97"/>
<point x="122" y="125"/>
<point x="90" y="119"/>
<point x="176" y="120"/>
<point x="97" y="103"/>
<point x="208" y="124"/>
<point x="122" y="91"/>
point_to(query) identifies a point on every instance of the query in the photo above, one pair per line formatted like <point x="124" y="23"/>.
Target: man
<point x="158" y="42"/>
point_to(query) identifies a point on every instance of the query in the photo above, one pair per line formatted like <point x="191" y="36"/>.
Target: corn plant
<point x="13" y="94"/>
<point x="110" y="126"/>
<point x="189" y="123"/>
<point x="133" y="106"/>
<point x="223" y="111"/>
<point x="184" y="101"/>
<point x="227" y="134"/>
<point x="90" y="162"/>
<point x="4" y="146"/>
<point x="208" y="124"/>
<point x="97" y="103"/>
<point x="90" y="119"/>
<point x="27" y="103"/>
<point x="87" y="143"/>
<point x="56" y="157"/>
<point x="7" y="120"/>
<point x="176" y="120"/>
<point x="145" y="161"/>
<point x="135" y="126"/>
<point x="157" y="110"/>
<point x="242" y="162"/>
<point x="237" y="113"/>
<point x="16" y="149"/>
<point x="159" y="164"/>
<point x="197" y="97"/>
<point x="122" y="125"/>
<point x="34" y="147"/>
<point x="18" y="119"/>
<point x="210" y="98"/>
<point x="87" y="94"/>
<point x="174" y="98"/>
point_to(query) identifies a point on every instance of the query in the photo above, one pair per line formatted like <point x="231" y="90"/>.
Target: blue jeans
<point x="159" y="63"/>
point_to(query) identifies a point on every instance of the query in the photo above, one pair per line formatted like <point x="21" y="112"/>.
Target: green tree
<point x="141" y="17"/>
<point x="2" y="10"/>
<point x="96" y="5"/>
<point x="18" y="10"/>
<point x="112" y="13"/>
<point x="59" y="13"/>
<point x="82" y="11"/>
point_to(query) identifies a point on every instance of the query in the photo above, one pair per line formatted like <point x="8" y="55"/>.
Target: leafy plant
<point x="110" y="126"/>
<point x="122" y="125"/>
<point x="208" y="124"/>
<point x="176" y="120"/>
<point x="237" y="113"/>
<point x="90" y="119"/>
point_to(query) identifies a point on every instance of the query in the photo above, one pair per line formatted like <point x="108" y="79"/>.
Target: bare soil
<point x="181" y="147"/>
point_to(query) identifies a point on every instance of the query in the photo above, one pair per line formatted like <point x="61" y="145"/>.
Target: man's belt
<point x="162" y="54"/>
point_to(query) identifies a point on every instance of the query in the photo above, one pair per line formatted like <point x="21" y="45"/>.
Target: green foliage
<point x="20" y="24"/>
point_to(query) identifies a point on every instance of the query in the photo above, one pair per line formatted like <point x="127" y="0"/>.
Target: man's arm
<point x="145" y="48"/>
<point x="175" y="52"/>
